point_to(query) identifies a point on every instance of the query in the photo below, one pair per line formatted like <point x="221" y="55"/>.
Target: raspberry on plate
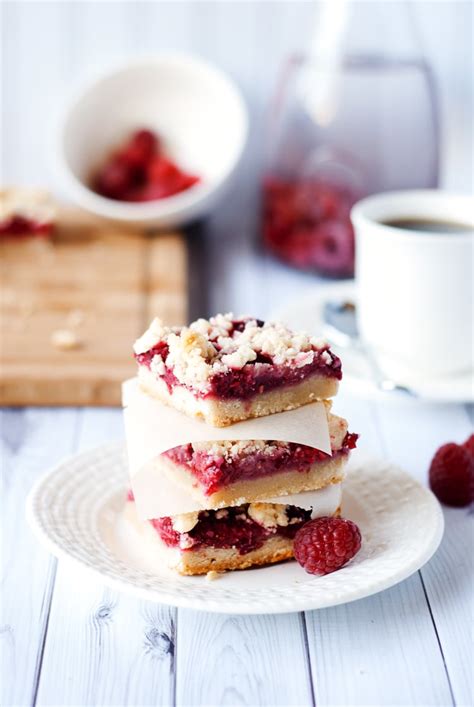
<point x="451" y="474"/>
<point x="326" y="544"/>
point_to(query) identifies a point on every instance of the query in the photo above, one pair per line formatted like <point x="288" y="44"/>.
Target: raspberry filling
<point x="21" y="226"/>
<point x="254" y="378"/>
<point x="259" y="377"/>
<point x="215" y="472"/>
<point x="229" y="528"/>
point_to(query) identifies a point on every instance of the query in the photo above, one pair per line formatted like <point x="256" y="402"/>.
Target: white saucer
<point x="75" y="510"/>
<point x="306" y="313"/>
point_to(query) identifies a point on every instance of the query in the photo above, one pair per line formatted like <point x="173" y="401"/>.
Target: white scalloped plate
<point x="75" y="510"/>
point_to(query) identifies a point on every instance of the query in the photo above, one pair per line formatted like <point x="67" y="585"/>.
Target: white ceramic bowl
<point x="197" y="111"/>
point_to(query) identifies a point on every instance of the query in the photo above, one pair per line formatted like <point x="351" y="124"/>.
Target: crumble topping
<point x="240" y="357"/>
<point x="185" y="542"/>
<point x="229" y="449"/>
<point x="32" y="204"/>
<point x="270" y="515"/>
<point x="151" y="337"/>
<point x="185" y="522"/>
<point x="337" y="431"/>
<point x="222" y="513"/>
<point x="190" y="354"/>
<point x="225" y="342"/>
<point x="327" y="358"/>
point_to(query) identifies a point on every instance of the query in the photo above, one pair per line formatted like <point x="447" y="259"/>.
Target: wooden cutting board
<point x="100" y="283"/>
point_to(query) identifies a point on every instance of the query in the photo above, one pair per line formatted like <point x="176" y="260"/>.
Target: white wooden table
<point x="67" y="640"/>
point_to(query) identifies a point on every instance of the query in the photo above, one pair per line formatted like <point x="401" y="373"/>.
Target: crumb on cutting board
<point x="65" y="340"/>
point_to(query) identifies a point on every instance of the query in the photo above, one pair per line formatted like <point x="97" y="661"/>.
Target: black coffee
<point x="411" y="224"/>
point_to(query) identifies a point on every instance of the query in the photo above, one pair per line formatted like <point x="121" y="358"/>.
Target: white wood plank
<point x="358" y="637"/>
<point x="241" y="652"/>
<point x="412" y="433"/>
<point x="32" y="441"/>
<point x="105" y="648"/>
<point x="378" y="651"/>
<point x="35" y="73"/>
<point x="99" y="426"/>
<point x="241" y="660"/>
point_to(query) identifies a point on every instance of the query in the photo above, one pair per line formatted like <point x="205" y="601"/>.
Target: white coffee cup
<point x="415" y="287"/>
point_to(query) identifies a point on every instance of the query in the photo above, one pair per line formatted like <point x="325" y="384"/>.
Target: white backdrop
<point x="48" y="47"/>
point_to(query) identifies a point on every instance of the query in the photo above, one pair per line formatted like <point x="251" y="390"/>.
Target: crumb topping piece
<point x="32" y="204"/>
<point x="229" y="449"/>
<point x="270" y="515"/>
<point x="224" y="343"/>
<point x="185" y="522"/>
<point x="212" y="575"/>
<point x="65" y="340"/>
<point x="150" y="338"/>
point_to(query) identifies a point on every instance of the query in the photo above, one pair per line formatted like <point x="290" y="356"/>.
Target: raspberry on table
<point x="324" y="545"/>
<point x="451" y="473"/>
<point x="469" y="445"/>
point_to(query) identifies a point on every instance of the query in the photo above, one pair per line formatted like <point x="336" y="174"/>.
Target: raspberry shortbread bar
<point x="26" y="212"/>
<point x="227" y="369"/>
<point x="226" y="539"/>
<point x="226" y="473"/>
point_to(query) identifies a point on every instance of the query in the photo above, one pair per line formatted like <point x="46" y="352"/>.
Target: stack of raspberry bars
<point x="225" y="370"/>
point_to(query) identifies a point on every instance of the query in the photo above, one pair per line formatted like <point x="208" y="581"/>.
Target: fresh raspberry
<point x="138" y="172"/>
<point x="469" y="445"/>
<point x="140" y="149"/>
<point x="451" y="474"/>
<point x="113" y="180"/>
<point x="162" y="171"/>
<point x="147" y="141"/>
<point x="333" y="248"/>
<point x="325" y="544"/>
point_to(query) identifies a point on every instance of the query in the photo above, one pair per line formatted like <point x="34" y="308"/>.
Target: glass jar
<point x="375" y="129"/>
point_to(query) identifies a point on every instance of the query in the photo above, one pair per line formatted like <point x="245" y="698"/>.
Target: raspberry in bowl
<point x="139" y="170"/>
<point x="191" y="108"/>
